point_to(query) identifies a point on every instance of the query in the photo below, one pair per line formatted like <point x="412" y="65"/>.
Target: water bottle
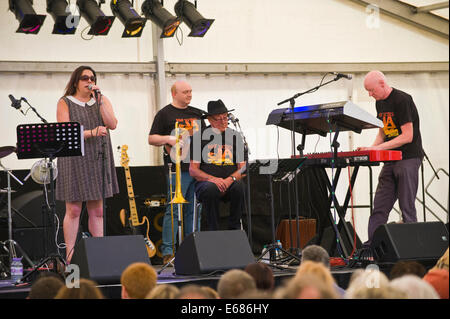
<point x="16" y="269"/>
<point x="264" y="257"/>
<point x="279" y="244"/>
<point x="277" y="249"/>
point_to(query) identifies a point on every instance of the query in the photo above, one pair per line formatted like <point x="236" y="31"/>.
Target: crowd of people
<point x="312" y="280"/>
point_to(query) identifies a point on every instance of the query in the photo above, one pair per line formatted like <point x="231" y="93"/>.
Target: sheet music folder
<point x="41" y="140"/>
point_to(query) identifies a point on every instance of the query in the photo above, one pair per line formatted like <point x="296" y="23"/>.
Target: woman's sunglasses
<point x="86" y="77"/>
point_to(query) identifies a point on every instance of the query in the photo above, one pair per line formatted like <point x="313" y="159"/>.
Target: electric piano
<point x="372" y="157"/>
<point x="324" y="118"/>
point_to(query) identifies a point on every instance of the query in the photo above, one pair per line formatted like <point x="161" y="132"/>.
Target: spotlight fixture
<point x="99" y="22"/>
<point x="195" y="21"/>
<point x="153" y="10"/>
<point x="30" y="22"/>
<point x="65" y="21"/>
<point x="133" y="22"/>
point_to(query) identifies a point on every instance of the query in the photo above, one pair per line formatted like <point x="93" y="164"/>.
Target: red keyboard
<point x="368" y="156"/>
<point x="354" y="157"/>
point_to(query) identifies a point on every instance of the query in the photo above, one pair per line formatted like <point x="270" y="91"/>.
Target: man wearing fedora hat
<point x="216" y="164"/>
<point x="162" y="133"/>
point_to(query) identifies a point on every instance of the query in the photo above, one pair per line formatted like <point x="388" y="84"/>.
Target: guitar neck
<point x="133" y="211"/>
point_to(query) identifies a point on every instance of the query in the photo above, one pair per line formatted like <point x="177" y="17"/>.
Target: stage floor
<point x="167" y="276"/>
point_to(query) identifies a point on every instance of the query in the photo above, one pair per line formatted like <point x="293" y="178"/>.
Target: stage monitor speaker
<point x="328" y="240"/>
<point x="209" y="251"/>
<point x="410" y="241"/>
<point x="103" y="259"/>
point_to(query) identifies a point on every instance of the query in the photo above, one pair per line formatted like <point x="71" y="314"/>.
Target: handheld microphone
<point x="90" y="87"/>
<point x="15" y="103"/>
<point x="342" y="75"/>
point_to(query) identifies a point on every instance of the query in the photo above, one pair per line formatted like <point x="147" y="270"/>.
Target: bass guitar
<point x="131" y="219"/>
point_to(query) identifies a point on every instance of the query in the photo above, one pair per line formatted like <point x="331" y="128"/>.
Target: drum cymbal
<point x="6" y="150"/>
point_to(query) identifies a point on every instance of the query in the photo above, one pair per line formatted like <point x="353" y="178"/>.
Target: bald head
<point x="375" y="83"/>
<point x="181" y="94"/>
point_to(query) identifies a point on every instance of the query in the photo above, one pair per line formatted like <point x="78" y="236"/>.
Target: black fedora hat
<point x="217" y="107"/>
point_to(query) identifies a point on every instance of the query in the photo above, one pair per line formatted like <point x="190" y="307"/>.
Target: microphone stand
<point x="34" y="110"/>
<point x="249" y="205"/>
<point x="102" y="154"/>
<point x="301" y="147"/>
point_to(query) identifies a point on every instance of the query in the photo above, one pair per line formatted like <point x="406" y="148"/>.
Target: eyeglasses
<point x="86" y="77"/>
<point x="220" y="118"/>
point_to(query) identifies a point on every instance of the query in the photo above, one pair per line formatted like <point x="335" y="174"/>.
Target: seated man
<point x="217" y="157"/>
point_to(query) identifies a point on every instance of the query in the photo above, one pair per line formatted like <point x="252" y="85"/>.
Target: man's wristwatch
<point x="233" y="178"/>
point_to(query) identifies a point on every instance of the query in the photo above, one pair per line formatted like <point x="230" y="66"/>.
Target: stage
<point x="167" y="276"/>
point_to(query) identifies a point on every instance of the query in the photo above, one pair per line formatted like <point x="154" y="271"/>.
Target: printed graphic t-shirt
<point x="219" y="153"/>
<point x="396" y="110"/>
<point x="188" y="119"/>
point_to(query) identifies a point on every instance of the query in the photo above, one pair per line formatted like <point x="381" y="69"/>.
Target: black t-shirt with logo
<point x="219" y="152"/>
<point x="188" y="119"/>
<point x="396" y="110"/>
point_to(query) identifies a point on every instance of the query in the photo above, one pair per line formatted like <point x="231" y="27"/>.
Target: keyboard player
<point x="397" y="179"/>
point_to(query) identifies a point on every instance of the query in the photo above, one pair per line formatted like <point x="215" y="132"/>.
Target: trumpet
<point x="177" y="198"/>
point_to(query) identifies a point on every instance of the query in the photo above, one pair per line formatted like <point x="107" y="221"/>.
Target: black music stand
<point x="49" y="140"/>
<point x="284" y="168"/>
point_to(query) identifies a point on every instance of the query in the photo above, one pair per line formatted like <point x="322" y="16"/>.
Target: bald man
<point x="397" y="179"/>
<point x="162" y="134"/>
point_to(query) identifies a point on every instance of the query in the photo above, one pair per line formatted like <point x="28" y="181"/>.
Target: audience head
<point x="262" y="274"/>
<point x="45" y="287"/>
<point x="308" y="268"/>
<point x="193" y="291"/>
<point x="165" y="291"/>
<point x="316" y="253"/>
<point x="87" y="290"/>
<point x="137" y="280"/>
<point x="211" y="292"/>
<point x="402" y="268"/>
<point x="306" y="287"/>
<point x="442" y="263"/>
<point x="235" y="282"/>
<point x="383" y="292"/>
<point x="367" y="283"/>
<point x="414" y="287"/>
<point x="438" y="278"/>
<point x="256" y="294"/>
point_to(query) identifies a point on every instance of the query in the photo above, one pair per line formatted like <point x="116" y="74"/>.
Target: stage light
<point x="133" y="22"/>
<point x="99" y="22"/>
<point x="153" y="10"/>
<point x="30" y="22"/>
<point x="195" y="21"/>
<point x="65" y="21"/>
